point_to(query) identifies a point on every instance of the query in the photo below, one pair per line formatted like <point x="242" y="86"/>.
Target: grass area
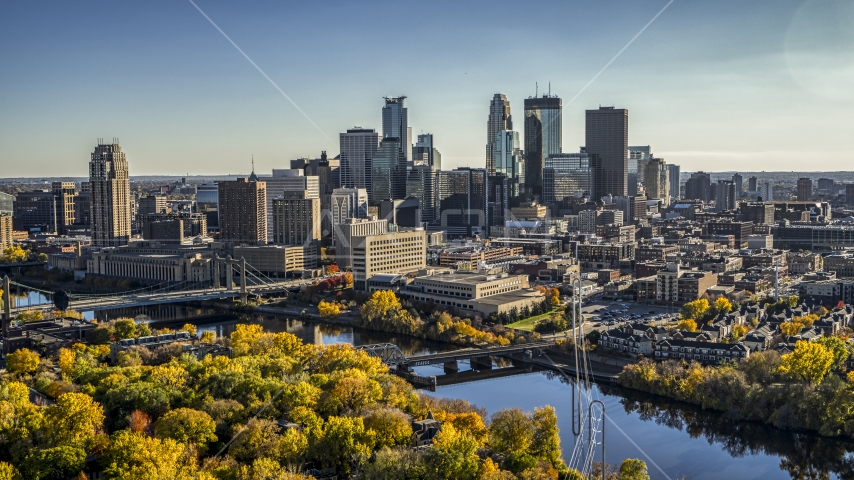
<point x="528" y="324"/>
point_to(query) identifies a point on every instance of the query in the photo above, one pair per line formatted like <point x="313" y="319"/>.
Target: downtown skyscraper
<point x="396" y="124"/>
<point x="109" y="195"/>
<point x="499" y="119"/>
<point x="358" y="147"/>
<point x="607" y="143"/>
<point x="542" y="138"/>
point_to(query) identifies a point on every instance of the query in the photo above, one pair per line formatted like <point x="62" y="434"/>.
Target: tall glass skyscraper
<point x="508" y="160"/>
<point x="542" y="138"/>
<point x="396" y="124"/>
<point x="499" y="119"/>
<point x="673" y="172"/>
<point x="358" y="147"/>
<point x="657" y="181"/>
<point x="425" y="147"/>
<point x="607" y="143"/>
<point x="638" y="158"/>
<point x="461" y="198"/>
<point x="566" y="175"/>
<point x="388" y="172"/>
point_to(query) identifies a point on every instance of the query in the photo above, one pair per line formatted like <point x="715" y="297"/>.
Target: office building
<point x="752" y="184"/>
<point x="726" y="196"/>
<point x="401" y="213"/>
<point x="461" y="198"/>
<point x="699" y="187"/>
<point x="396" y="252"/>
<point x="638" y="158"/>
<point x="766" y="192"/>
<point x="542" y="138"/>
<point x="475" y="293"/>
<point x="342" y="236"/>
<point x="388" y="172"/>
<point x="657" y="181"/>
<point x="508" y="160"/>
<point x="396" y="125"/>
<point x="499" y="120"/>
<point x="287" y="182"/>
<point x="425" y="153"/>
<point x="151" y="204"/>
<point x="607" y="136"/>
<point x="349" y="203"/>
<point x="827" y="186"/>
<point x="421" y="185"/>
<point x="172" y="227"/>
<point x="207" y="197"/>
<point x="46" y="210"/>
<point x="358" y="147"/>
<point x="673" y="176"/>
<point x="804" y="189"/>
<point x="324" y="168"/>
<point x="279" y="260"/>
<point x="7" y="204"/>
<point x="243" y="211"/>
<point x="760" y="213"/>
<point x="110" y="201"/>
<point x="738" y="180"/>
<point x="849" y="193"/>
<point x="154" y="262"/>
<point x="296" y="220"/>
<point x="5" y="231"/>
<point x="565" y="176"/>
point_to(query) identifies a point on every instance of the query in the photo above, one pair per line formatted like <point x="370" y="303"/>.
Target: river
<point x="674" y="439"/>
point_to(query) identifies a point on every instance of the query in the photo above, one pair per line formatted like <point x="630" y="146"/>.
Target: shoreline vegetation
<point x="792" y="392"/>
<point x="276" y="407"/>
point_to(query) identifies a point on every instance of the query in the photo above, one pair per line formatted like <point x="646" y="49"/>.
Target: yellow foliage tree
<point x="695" y="309"/>
<point x="328" y="309"/>
<point x="381" y="303"/>
<point x="66" y="361"/>
<point x="723" y="305"/>
<point x="208" y="336"/>
<point x="14" y="254"/>
<point x="553" y="295"/>
<point x="809" y="362"/>
<point x="190" y="328"/>
<point x="135" y="456"/>
<point x="23" y="361"/>
<point x="687" y="324"/>
<point x="75" y="418"/>
<point x="739" y="331"/>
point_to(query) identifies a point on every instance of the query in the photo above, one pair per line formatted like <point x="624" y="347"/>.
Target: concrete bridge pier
<point x="481" y="363"/>
<point x="452" y="367"/>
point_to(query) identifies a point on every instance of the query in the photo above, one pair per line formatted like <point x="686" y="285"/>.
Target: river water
<point x="676" y="440"/>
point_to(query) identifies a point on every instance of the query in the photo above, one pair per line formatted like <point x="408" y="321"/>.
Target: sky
<point x="711" y="84"/>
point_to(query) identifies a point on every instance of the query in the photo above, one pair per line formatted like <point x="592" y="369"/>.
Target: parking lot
<point x="613" y="313"/>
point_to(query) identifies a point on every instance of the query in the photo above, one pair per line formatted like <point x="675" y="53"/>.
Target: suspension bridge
<point x="251" y="282"/>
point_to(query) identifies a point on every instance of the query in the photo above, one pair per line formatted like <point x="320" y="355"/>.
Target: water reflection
<point x="803" y="455"/>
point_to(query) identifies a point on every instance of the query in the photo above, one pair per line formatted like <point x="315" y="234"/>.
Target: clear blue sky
<point x="711" y="84"/>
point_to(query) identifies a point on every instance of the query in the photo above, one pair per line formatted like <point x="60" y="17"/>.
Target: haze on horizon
<point x="725" y="85"/>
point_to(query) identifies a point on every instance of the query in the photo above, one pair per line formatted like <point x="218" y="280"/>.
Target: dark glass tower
<point x="542" y="138"/>
<point x="607" y="138"/>
<point x="499" y="119"/>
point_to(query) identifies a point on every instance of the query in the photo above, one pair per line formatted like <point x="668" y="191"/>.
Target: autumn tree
<point x="839" y="348"/>
<point x="722" y="305"/>
<point x="124" y="328"/>
<point x="810" y="362"/>
<point x="343" y="444"/>
<point x="331" y="268"/>
<point x="133" y="456"/>
<point x="390" y="425"/>
<point x="453" y="455"/>
<point x="687" y="324"/>
<point x="73" y="419"/>
<point x="633" y="469"/>
<point x="22" y="362"/>
<point x="208" y="336"/>
<point x="347" y="278"/>
<point x="187" y="426"/>
<point x="695" y="309"/>
<point x="189" y="328"/>
<point x="328" y="309"/>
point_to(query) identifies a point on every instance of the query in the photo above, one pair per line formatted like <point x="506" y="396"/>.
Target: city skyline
<point x="739" y="86"/>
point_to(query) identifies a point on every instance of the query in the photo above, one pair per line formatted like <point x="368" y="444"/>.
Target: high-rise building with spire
<point x="542" y="138"/>
<point x="499" y="119"/>
<point x="110" y="195"/>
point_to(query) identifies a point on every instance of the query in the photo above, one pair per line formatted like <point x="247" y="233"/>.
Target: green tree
<point x="344" y="443"/>
<point x="390" y="425"/>
<point x="453" y="455"/>
<point x="124" y="328"/>
<point x="57" y="462"/>
<point x="259" y="438"/>
<point x="633" y="469"/>
<point x="510" y="431"/>
<point x="545" y="444"/>
<point x="811" y="362"/>
<point x="187" y="426"/>
<point x="22" y="362"/>
<point x="839" y="348"/>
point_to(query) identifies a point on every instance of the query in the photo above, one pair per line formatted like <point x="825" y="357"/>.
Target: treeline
<point x="802" y="390"/>
<point x="153" y="418"/>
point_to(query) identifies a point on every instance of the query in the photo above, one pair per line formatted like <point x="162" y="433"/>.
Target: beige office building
<point x="109" y="198"/>
<point x="296" y="220"/>
<point x="475" y="292"/>
<point x="343" y="233"/>
<point x="278" y="260"/>
<point x="398" y="252"/>
<point x="5" y="231"/>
